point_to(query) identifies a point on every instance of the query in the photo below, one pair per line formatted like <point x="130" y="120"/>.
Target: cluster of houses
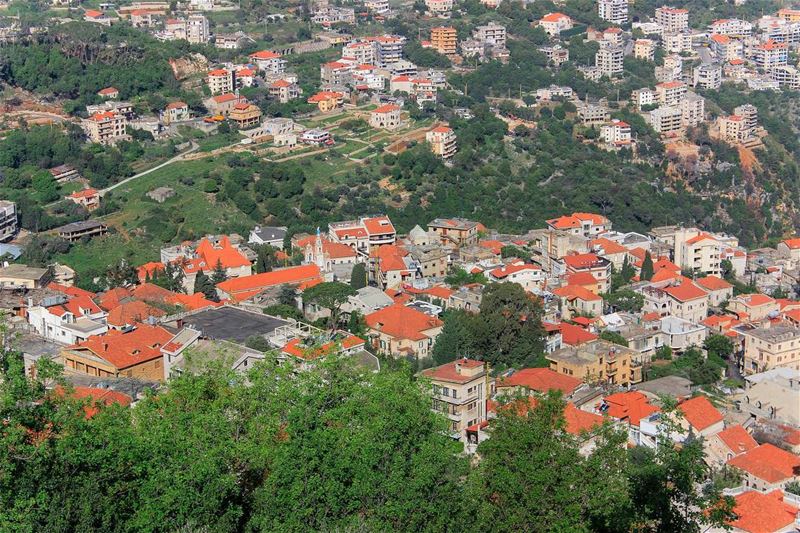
<point x="686" y="282"/>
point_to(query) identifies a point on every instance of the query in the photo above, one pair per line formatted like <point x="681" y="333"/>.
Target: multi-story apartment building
<point x="670" y="93"/>
<point x="197" y="29"/>
<point x="589" y="263"/>
<point x="749" y="113"/>
<point x="770" y="55"/>
<point x="364" y="233"/>
<point x="731" y="28"/>
<point x="643" y="97"/>
<point x="614" y="11"/>
<point x="616" y="133"/>
<point x="608" y="60"/>
<point x="786" y="76"/>
<point x="777" y="346"/>
<point x="693" y="110"/>
<point x="390" y="48"/>
<point x="360" y="53"/>
<point x="733" y="128"/>
<point x="672" y="19"/>
<point x="492" y="34"/>
<point x="106" y="128"/>
<point x="666" y="120"/>
<point x="268" y="61"/>
<point x="644" y="49"/>
<point x="8" y="220"/>
<point x="454" y="231"/>
<point x="444" y="39"/>
<point x="460" y="391"/>
<point x="707" y="76"/>
<point x="598" y="361"/>
<point x="725" y="48"/>
<point x="677" y="42"/>
<point x="221" y="81"/>
<point x="443" y="141"/>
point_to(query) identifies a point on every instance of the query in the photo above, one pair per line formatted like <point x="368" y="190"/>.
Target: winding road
<point x="174" y="159"/>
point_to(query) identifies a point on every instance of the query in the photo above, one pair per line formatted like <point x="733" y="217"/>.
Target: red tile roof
<point x="452" y="371"/>
<point x="631" y="406"/>
<point x="700" y="413"/>
<point x="579" y="421"/>
<point x="132" y="312"/>
<point x="714" y="283"/>
<point x="541" y="380"/>
<point x="757" y="512"/>
<point x="388" y="108"/>
<point x="793" y="244"/>
<point x="223" y="253"/>
<point x="581" y="261"/>
<point x="334" y="250"/>
<point x="124" y="350"/>
<point x="769" y="463"/>
<point x="113" y="297"/>
<point x="264" y="54"/>
<point x="245" y="287"/>
<point x="576" y="292"/>
<point x="737" y="439"/>
<point x="96" y="396"/>
<point x="402" y="322"/>
<point x="608" y="246"/>
<point x="686" y="291"/>
<point x="574" y="335"/>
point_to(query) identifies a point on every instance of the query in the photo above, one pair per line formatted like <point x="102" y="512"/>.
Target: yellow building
<point x="245" y="115"/>
<point x="326" y="100"/>
<point x="444" y="39"/>
<point x="598" y="361"/>
<point x="771" y="347"/>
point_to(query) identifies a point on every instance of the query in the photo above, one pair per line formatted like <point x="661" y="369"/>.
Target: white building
<point x="671" y="19"/>
<point x="614" y="11"/>
<point x="609" y="60"/>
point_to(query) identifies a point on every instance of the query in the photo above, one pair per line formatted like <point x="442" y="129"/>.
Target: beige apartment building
<point x="693" y="249"/>
<point x="443" y="141"/>
<point x="221" y="81"/>
<point x="460" y="390"/>
<point x="598" y="361"/>
<point x="106" y="128"/>
<point x="771" y="347"/>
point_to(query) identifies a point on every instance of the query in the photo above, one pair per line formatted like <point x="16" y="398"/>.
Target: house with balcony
<point x="401" y="331"/>
<point x="460" y="390"/>
<point x="598" y="361"/>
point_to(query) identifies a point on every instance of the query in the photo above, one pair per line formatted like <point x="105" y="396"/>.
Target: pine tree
<point x="647" y="268"/>
<point x="219" y="274"/>
<point x="203" y="284"/>
<point x="358" y="276"/>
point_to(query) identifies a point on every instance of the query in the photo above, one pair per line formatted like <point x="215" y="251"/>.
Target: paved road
<point x="175" y="159"/>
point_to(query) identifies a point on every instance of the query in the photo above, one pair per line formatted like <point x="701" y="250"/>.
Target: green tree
<point x="120" y="274"/>
<point x="203" y="284"/>
<point x="219" y="275"/>
<point x="719" y="346"/>
<point x="265" y="258"/>
<point x="646" y="273"/>
<point x="625" y="300"/>
<point x="509" y="332"/>
<point x="358" y="276"/>
<point x="330" y="295"/>
<point x="531" y="476"/>
<point x="614" y="337"/>
<point x="456" y="338"/>
<point x="679" y="504"/>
